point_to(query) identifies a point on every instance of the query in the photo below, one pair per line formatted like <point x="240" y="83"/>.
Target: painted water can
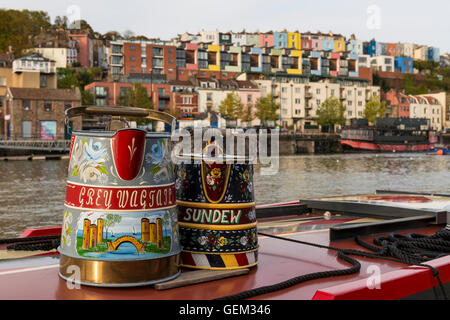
<point x="120" y="220"/>
<point x="217" y="219"/>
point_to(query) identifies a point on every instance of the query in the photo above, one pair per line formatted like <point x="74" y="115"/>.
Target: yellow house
<point x="297" y="68"/>
<point x="294" y="40"/>
<point x="214" y="57"/>
<point x="339" y="45"/>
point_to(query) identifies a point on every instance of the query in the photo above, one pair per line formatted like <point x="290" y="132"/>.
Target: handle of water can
<point x="122" y="111"/>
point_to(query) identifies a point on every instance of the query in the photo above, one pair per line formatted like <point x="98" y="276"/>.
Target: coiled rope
<point x="41" y="243"/>
<point x="413" y="249"/>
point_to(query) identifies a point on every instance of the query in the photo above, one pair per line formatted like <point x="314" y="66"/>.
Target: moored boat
<point x="389" y="135"/>
<point x="295" y="240"/>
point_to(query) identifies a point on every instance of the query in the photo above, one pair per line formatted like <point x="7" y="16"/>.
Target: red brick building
<point x="109" y="93"/>
<point x="39" y="113"/>
<point x="397" y="104"/>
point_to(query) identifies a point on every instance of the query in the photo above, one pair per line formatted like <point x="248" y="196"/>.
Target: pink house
<point x="86" y="53"/>
<point x="191" y="56"/>
<point x="249" y="94"/>
<point x="317" y="44"/>
<point x="266" y="39"/>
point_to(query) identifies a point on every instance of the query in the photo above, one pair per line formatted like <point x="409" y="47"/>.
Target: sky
<point x="413" y="21"/>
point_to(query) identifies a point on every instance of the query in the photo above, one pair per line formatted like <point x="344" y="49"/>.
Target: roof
<point x="45" y="94"/>
<point x="35" y="57"/>
<point x="245" y="84"/>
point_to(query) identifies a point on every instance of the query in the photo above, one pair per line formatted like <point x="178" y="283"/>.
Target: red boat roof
<point x="37" y="278"/>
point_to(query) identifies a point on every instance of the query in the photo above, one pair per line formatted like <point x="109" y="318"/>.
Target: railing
<point x="36" y="145"/>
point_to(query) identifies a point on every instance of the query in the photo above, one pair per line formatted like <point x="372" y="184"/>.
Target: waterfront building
<point x="110" y="92"/>
<point x="211" y="92"/>
<point x="300" y="98"/>
<point x="424" y="106"/>
<point x="397" y="104"/>
<point x="39" y="113"/>
<point x="184" y="98"/>
<point x="444" y="100"/>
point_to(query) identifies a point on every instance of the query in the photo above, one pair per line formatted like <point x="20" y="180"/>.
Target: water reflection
<point x="32" y="192"/>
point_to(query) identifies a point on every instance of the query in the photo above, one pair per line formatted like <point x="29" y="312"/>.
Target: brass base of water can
<point x="126" y="273"/>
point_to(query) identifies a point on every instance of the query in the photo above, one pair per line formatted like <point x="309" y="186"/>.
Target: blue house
<point x="328" y="45"/>
<point x="433" y="54"/>
<point x="280" y="40"/>
<point x="404" y="65"/>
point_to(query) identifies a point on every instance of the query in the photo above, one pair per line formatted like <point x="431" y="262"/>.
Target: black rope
<point x="413" y="249"/>
<point x="43" y="243"/>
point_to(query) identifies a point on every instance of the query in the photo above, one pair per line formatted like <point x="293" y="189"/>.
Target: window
<point x="67" y="105"/>
<point x="26" y="129"/>
<point x="132" y="47"/>
<point x="132" y="69"/>
<point x="249" y="98"/>
<point x="349" y="113"/>
<point x="318" y="102"/>
<point x="47" y="106"/>
<point x="169" y="50"/>
<point x="26" y="105"/>
<point x="332" y="92"/>
<point x="284" y="89"/>
<point x="317" y="91"/>
<point x="209" y="97"/>
<point x="157" y="52"/>
<point x="360" y="103"/>
<point x="360" y="93"/>
<point x="43" y="80"/>
<point x="132" y="58"/>
<point x="297" y="101"/>
<point x="349" y="103"/>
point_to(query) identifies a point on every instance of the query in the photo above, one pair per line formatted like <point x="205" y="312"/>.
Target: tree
<point x="87" y="98"/>
<point x="247" y="114"/>
<point x="17" y="26"/>
<point x="267" y="109"/>
<point x="137" y="97"/>
<point x="110" y="221"/>
<point x="128" y="34"/>
<point x="331" y="113"/>
<point x="374" y="109"/>
<point x="231" y="107"/>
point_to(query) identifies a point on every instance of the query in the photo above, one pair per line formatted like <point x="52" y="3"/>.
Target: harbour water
<point x="32" y="192"/>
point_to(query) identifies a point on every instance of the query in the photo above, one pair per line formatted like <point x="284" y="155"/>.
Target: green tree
<point x="231" y="107"/>
<point x="110" y="221"/>
<point x="87" y="98"/>
<point x="16" y="26"/>
<point x="331" y="113"/>
<point x="267" y="109"/>
<point x="411" y="87"/>
<point x="137" y="97"/>
<point x="374" y="109"/>
<point x="248" y="114"/>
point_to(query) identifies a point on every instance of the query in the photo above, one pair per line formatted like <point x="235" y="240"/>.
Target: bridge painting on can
<point x="110" y="234"/>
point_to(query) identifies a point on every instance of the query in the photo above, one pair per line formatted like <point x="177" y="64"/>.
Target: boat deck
<point x="37" y="277"/>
